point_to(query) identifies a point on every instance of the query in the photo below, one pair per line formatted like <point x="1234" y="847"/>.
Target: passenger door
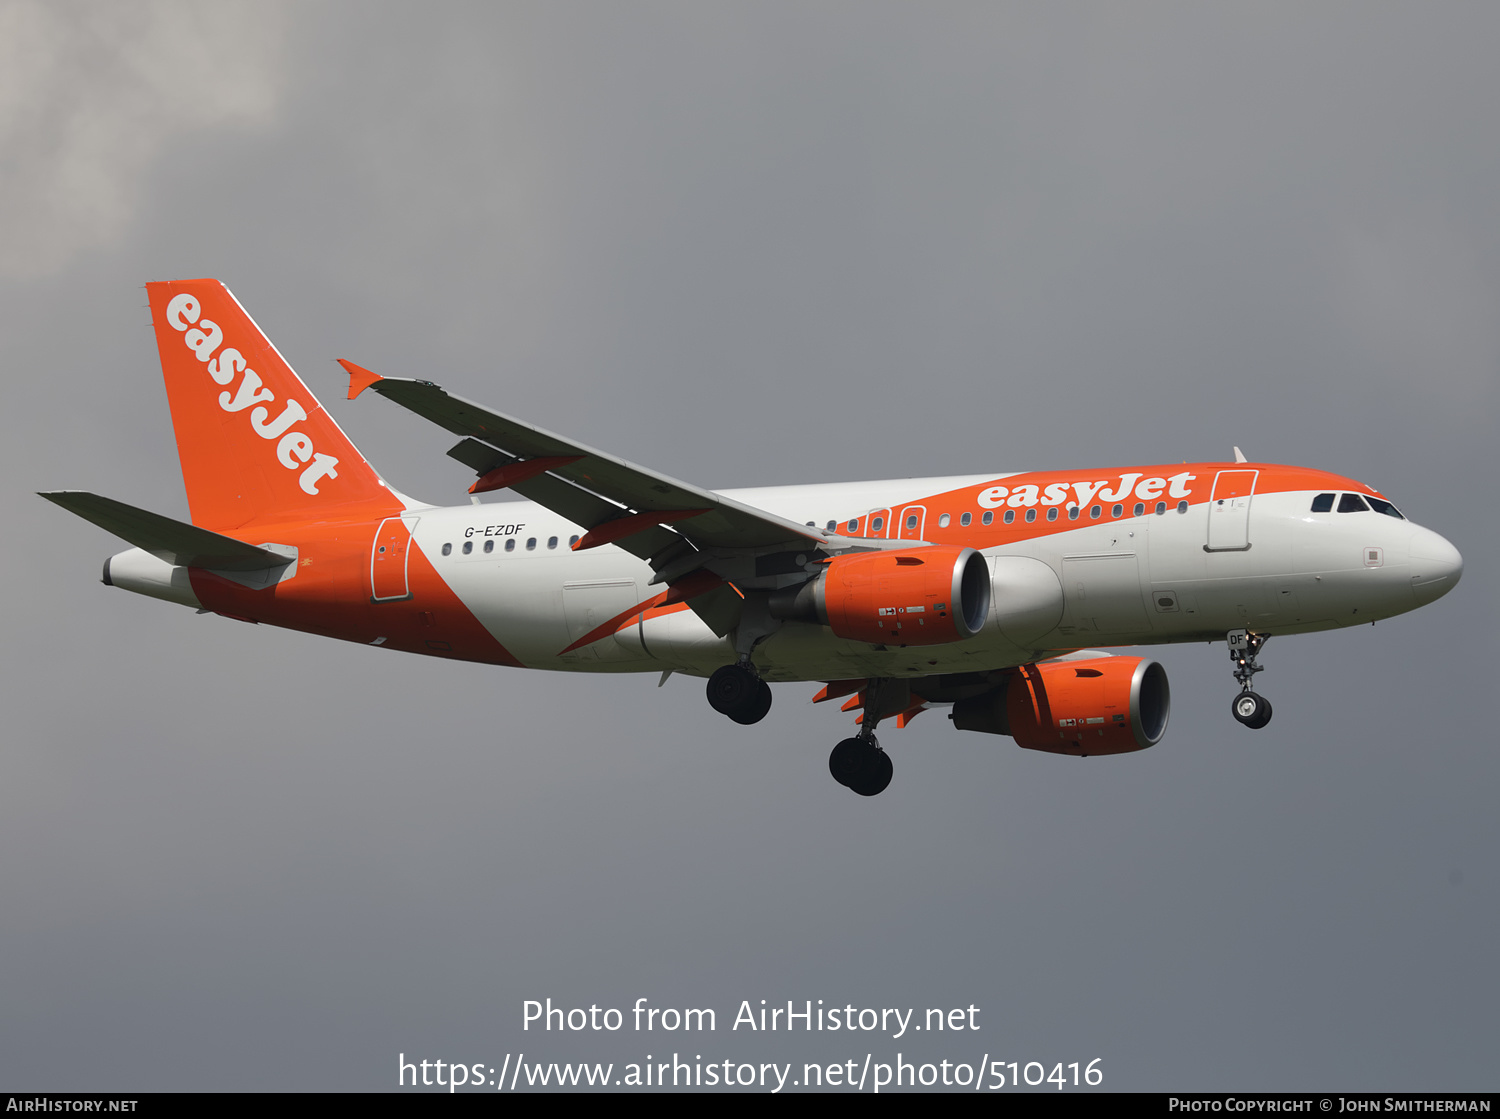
<point x="388" y="557"/>
<point x="1229" y="510"/>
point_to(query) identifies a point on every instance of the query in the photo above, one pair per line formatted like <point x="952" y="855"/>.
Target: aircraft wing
<point x="596" y="489"/>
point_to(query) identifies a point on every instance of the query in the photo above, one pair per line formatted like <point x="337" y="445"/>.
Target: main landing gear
<point x="735" y="690"/>
<point x="857" y="763"/>
<point x="860" y="764"/>
<point x="1249" y="708"/>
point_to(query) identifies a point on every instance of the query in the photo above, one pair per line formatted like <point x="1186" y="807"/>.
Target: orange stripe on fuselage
<point x="1065" y="490"/>
<point x="330" y="596"/>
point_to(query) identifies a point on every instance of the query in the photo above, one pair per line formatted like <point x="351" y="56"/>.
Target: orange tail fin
<point x="255" y="444"/>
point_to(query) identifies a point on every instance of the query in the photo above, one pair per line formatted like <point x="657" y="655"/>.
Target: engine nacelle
<point x="1102" y="705"/>
<point x="916" y="596"/>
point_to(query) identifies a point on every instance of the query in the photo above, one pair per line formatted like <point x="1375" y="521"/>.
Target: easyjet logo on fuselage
<point x="294" y="449"/>
<point x="1147" y="489"/>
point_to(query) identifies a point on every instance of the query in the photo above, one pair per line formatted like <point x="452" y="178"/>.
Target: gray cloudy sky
<point x="749" y="244"/>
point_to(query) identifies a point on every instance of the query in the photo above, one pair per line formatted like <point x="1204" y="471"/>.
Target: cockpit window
<point x="1352" y="503"/>
<point x="1385" y="507"/>
<point x="1323" y="503"/>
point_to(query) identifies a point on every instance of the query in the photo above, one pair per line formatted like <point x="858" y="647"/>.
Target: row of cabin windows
<point x="965" y="519"/>
<point x="510" y="545"/>
<point x="1355" y="503"/>
<point x="1323" y="503"/>
<point x="877" y="524"/>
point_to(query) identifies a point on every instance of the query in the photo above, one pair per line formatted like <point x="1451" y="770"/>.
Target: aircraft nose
<point x="1435" y="566"/>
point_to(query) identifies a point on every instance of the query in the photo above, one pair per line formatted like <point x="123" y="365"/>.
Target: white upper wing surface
<point x="596" y="487"/>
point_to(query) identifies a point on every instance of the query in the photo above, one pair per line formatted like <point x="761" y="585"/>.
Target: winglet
<point x="359" y="378"/>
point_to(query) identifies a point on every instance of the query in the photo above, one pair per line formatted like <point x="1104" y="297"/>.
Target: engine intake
<point x="917" y="596"/>
<point x="1102" y="705"/>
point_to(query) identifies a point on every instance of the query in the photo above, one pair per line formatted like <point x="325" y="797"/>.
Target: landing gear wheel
<point x="734" y="690"/>
<point x="1251" y="709"/>
<point x="758" y="708"/>
<point x="860" y="764"/>
<point x="843" y="763"/>
<point x="877" y="774"/>
<point x="737" y="692"/>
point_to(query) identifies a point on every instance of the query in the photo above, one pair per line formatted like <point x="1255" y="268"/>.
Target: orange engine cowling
<point x="916" y="596"/>
<point x="1102" y="705"/>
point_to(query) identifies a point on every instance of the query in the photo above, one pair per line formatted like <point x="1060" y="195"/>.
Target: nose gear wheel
<point x="1249" y="708"/>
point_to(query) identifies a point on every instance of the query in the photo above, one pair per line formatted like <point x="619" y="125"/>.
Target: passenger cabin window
<point x="1052" y="513"/>
<point x="1161" y="508"/>
<point x="877" y="524"/>
<point x="852" y="526"/>
<point x="531" y="544"/>
<point x="1030" y="515"/>
<point x="489" y="546"/>
<point x="1352" y="503"/>
<point x="551" y="541"/>
<point x="1139" y="508"/>
<point x="447" y="549"/>
<point x="988" y="518"/>
<point x="1385" y="507"/>
<point x="1182" y="506"/>
<point x="1072" y="512"/>
<point x="832" y="525"/>
<point x="911" y="522"/>
<point x="1117" y="510"/>
<point x="1010" y="516"/>
<point x="572" y="540"/>
<point x="1323" y="503"/>
<point x="943" y="521"/>
<point x="510" y="545"/>
<point x="468" y="546"/>
<point x="1094" y="512"/>
<point x="965" y="519"/>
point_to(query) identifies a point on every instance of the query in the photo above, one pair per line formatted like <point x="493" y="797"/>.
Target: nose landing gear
<point x="1253" y="710"/>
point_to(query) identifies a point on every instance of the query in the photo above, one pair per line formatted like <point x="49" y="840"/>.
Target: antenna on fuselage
<point x="1239" y="455"/>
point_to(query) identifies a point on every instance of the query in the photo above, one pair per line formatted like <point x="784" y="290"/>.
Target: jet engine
<point x="917" y="596"/>
<point x="1099" y="705"/>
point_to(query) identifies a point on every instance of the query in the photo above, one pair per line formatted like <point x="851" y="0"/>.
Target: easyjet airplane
<point x="979" y="593"/>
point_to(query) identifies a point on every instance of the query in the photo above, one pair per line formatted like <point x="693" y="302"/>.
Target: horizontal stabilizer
<point x="177" y="543"/>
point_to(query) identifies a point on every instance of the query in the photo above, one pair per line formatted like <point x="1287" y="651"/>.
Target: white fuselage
<point x="1124" y="580"/>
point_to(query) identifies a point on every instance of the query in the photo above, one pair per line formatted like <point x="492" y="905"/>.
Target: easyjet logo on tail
<point x="294" y="449"/>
